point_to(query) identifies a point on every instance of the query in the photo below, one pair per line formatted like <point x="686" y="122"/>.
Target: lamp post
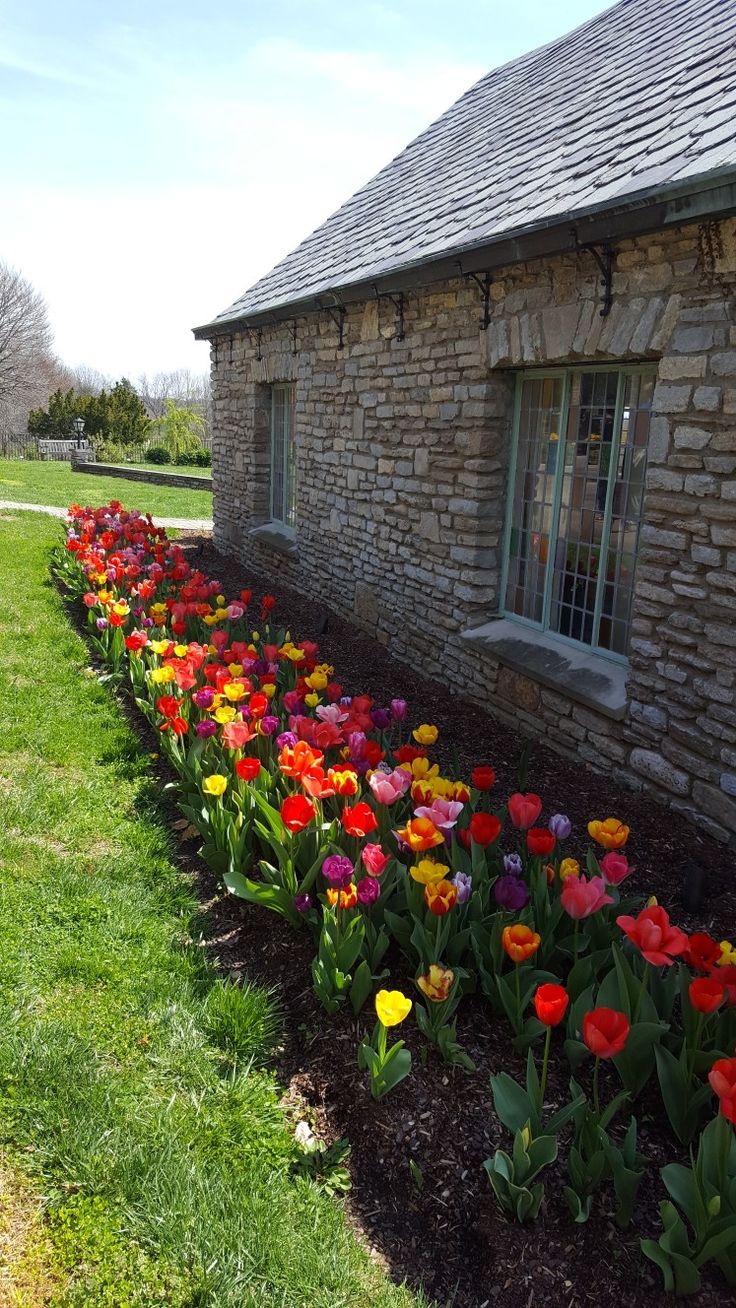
<point x="78" y="425"/>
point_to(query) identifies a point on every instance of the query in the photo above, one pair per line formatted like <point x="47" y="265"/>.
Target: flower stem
<point x="596" y="1100"/>
<point x="545" y="1061"/>
<point x="694" y="1047"/>
<point x="642" y="991"/>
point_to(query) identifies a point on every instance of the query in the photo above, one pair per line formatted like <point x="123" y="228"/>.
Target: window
<point x="577" y="480"/>
<point x="283" y="455"/>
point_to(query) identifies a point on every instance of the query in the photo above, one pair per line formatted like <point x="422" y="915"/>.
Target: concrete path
<point x="184" y="524"/>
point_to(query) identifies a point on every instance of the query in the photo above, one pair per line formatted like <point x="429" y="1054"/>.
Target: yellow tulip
<point x="158" y="646"/>
<point x="181" y="651"/>
<point x="728" y="954"/>
<point x="427" y="872"/>
<point x="220" y="599"/>
<point x="235" y="669"/>
<point x="569" y="867"/>
<point x="317" y="681"/>
<point x="161" y="675"/>
<point x="215" y="784"/>
<point x="611" y="834"/>
<point x="225" y="714"/>
<point x="437" y="983"/>
<point x="312" y="700"/>
<point x="268" y="689"/>
<point x="425" y="734"/>
<point x="234" y="690"/>
<point x="392" y="1007"/>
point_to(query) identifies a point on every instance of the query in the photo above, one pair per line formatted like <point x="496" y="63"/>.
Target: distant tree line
<point x="117" y="414"/>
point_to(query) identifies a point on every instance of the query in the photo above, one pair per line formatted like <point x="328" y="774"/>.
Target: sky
<point x="158" y="156"/>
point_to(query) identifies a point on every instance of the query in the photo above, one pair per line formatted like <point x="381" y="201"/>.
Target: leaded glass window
<point x="575" y="502"/>
<point x="283" y="455"/>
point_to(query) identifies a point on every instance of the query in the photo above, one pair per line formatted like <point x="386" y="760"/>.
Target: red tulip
<point x="550" y="1003"/>
<point x="702" y="951"/>
<point x="540" y="841"/>
<point x="359" y="820"/>
<point x="722" y="1077"/>
<point x="524" y="810"/>
<point x="297" y="812"/>
<point x="482" y="778"/>
<point x="605" y="1032"/>
<point x="706" y="994"/>
<point x="484" y="828"/>
<point x="651" y="932"/>
<point x="248" y="768"/>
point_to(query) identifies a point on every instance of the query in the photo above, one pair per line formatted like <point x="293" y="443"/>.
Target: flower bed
<point x="331" y="812"/>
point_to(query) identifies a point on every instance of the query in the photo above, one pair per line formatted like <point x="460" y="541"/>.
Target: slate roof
<point x="638" y="100"/>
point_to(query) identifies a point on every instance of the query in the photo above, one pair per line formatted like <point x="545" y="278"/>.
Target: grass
<point x="33" y="482"/>
<point x="135" y="1090"/>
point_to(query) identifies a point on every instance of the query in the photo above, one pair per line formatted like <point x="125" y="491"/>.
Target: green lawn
<point x="54" y="483"/>
<point x="135" y="1091"/>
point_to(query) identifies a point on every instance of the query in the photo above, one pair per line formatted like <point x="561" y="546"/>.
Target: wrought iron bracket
<point x="397" y="300"/>
<point x="293" y="338"/>
<point x="603" y="255"/>
<point x="484" y="284"/>
<point x="256" y="333"/>
<point x="337" y="314"/>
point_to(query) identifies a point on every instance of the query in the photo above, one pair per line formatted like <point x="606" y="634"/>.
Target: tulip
<point x="337" y="871"/>
<point x="569" y="867"/>
<point x="511" y="893"/>
<point x="524" y="810"/>
<point x="248" y="768"/>
<point x="581" y="897"/>
<point x="611" y="834"/>
<point x="560" y="825"/>
<point x="651" y="932"/>
<point x="236" y="734"/>
<point x="359" y="820"/>
<point x="399" y="709"/>
<point x="722" y="1077"/>
<point x="374" y="860"/>
<point x="444" y="813"/>
<point x="392" y="1007"/>
<point x="464" y="886"/>
<point x="420" y="834"/>
<point x="381" y="718"/>
<point x="387" y="787"/>
<point x="605" y="1032"/>
<point x="302" y="903"/>
<point x="427" y="872"/>
<point x="550" y="1003"/>
<point x="702" y="952"/>
<point x="346" y="898"/>
<point x="437" y="983"/>
<point x="706" y="994"/>
<point x="513" y="865"/>
<point x="615" y="868"/>
<point x="520" y="942"/>
<point x="484" y="829"/>
<point x="368" y="890"/>
<point x="297" y="812"/>
<point x="425" y="734"/>
<point x="482" y="778"/>
<point x="215" y="784"/>
<point x="540" y="841"/>
<point x="440" y="897"/>
<point x="206" y="728"/>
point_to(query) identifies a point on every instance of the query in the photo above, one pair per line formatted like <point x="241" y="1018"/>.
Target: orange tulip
<point x="420" y="833"/>
<point x="520" y="942"/>
<point x="294" y="761"/>
<point x="611" y="834"/>
<point x="348" y="898"/>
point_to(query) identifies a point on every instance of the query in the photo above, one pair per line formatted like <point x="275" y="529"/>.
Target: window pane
<point x="290" y="458"/>
<point x="585" y="480"/>
<point x="533" y="495"/>
<point x="283" y="454"/>
<point x="628" y="490"/>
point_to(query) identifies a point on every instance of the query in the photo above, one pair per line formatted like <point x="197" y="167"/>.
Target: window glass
<point x="283" y="455"/>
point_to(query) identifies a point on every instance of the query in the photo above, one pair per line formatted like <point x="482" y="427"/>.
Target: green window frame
<point x="282" y="487"/>
<point x="574" y="511"/>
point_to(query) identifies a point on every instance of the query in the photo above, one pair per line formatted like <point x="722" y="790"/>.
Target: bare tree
<point x="88" y="381"/>
<point x="186" y="389"/>
<point x="25" y="347"/>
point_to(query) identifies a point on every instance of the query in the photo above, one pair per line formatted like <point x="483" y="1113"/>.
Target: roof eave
<point x="709" y="195"/>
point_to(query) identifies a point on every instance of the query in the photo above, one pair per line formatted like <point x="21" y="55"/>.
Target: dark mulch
<point x="440" y="1228"/>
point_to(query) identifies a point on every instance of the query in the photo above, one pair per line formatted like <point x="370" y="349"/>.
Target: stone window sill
<point x="584" y="676"/>
<point x="275" y="536"/>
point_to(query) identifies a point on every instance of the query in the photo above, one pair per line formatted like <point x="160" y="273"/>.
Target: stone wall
<point x="183" y="479"/>
<point x="402" y="472"/>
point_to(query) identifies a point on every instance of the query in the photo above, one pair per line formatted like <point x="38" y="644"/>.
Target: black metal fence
<point x="40" y="448"/>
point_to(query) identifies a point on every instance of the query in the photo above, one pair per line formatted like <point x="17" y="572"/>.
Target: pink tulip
<point x="444" y="813"/>
<point x="581" y="897"/>
<point x="615" y="868"/>
<point x="236" y="734"/>
<point x="374" y="860"/>
<point x="389" y="786"/>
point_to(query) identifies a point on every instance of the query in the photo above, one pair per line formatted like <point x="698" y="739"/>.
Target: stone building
<point x="488" y="408"/>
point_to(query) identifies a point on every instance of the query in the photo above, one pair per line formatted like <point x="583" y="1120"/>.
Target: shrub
<point x="198" y="458"/>
<point x="157" y="454"/>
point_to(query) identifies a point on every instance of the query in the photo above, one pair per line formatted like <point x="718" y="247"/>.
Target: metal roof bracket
<point x="337" y="314"/>
<point x="257" y="334"/>
<point x="397" y="300"/>
<point x="603" y="255"/>
<point x="484" y="285"/>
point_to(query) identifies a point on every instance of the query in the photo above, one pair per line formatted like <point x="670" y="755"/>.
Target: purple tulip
<point x="269" y="724"/>
<point x="381" y="718"/>
<point x="206" y="728"/>
<point x="511" y="893"/>
<point x="101" y="623"/>
<point x="513" y="865"/>
<point x="464" y="886"/>
<point x="286" y="738"/>
<point x="337" y="871"/>
<point x="302" y="903"/>
<point x="368" y="890"/>
<point x="560" y="826"/>
<point x="399" y="709"/>
<point x="204" y="698"/>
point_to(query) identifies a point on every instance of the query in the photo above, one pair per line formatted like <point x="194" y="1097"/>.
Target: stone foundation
<point x="403" y="453"/>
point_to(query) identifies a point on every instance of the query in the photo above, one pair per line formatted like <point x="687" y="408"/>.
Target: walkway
<point x="184" y="524"/>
